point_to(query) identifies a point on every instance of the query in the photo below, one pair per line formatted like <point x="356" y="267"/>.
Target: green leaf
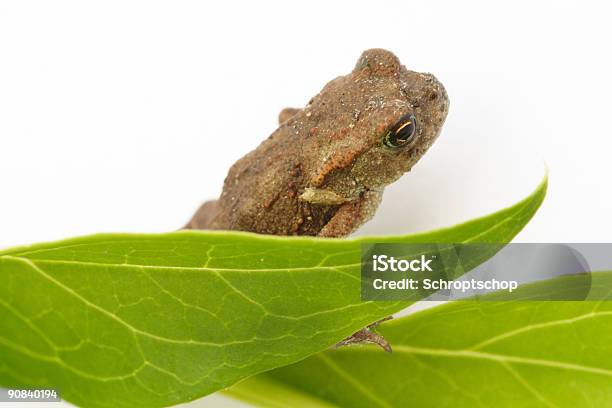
<point x="151" y="320"/>
<point x="488" y="353"/>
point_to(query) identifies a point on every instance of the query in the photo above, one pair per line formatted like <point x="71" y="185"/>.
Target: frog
<point x="322" y="172"/>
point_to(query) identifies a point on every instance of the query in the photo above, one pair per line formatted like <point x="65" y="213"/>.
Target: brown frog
<point x="323" y="171"/>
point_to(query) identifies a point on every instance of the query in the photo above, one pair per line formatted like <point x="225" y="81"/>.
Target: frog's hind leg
<point x="202" y="219"/>
<point x="287" y="114"/>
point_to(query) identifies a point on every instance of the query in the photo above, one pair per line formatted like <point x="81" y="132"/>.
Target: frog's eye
<point x="401" y="133"/>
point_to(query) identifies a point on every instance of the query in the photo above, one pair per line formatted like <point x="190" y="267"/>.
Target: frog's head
<point x="402" y="117"/>
<point x="373" y="124"/>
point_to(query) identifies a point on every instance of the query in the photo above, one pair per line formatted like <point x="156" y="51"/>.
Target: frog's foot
<point x="367" y="335"/>
<point x="287" y="114"/>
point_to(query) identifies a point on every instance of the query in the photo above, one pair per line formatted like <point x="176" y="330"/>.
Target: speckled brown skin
<point x="322" y="172"/>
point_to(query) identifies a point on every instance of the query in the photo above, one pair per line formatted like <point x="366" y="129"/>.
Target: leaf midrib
<point x="496" y="357"/>
<point x="107" y="313"/>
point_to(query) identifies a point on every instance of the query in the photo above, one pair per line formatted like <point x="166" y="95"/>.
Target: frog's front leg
<point x="348" y="218"/>
<point x="287" y="114"/>
<point x="352" y="214"/>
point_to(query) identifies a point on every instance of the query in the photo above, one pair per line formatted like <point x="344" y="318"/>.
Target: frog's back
<point x="260" y="192"/>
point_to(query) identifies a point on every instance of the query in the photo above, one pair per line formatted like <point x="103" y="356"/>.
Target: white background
<point x="125" y="115"/>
